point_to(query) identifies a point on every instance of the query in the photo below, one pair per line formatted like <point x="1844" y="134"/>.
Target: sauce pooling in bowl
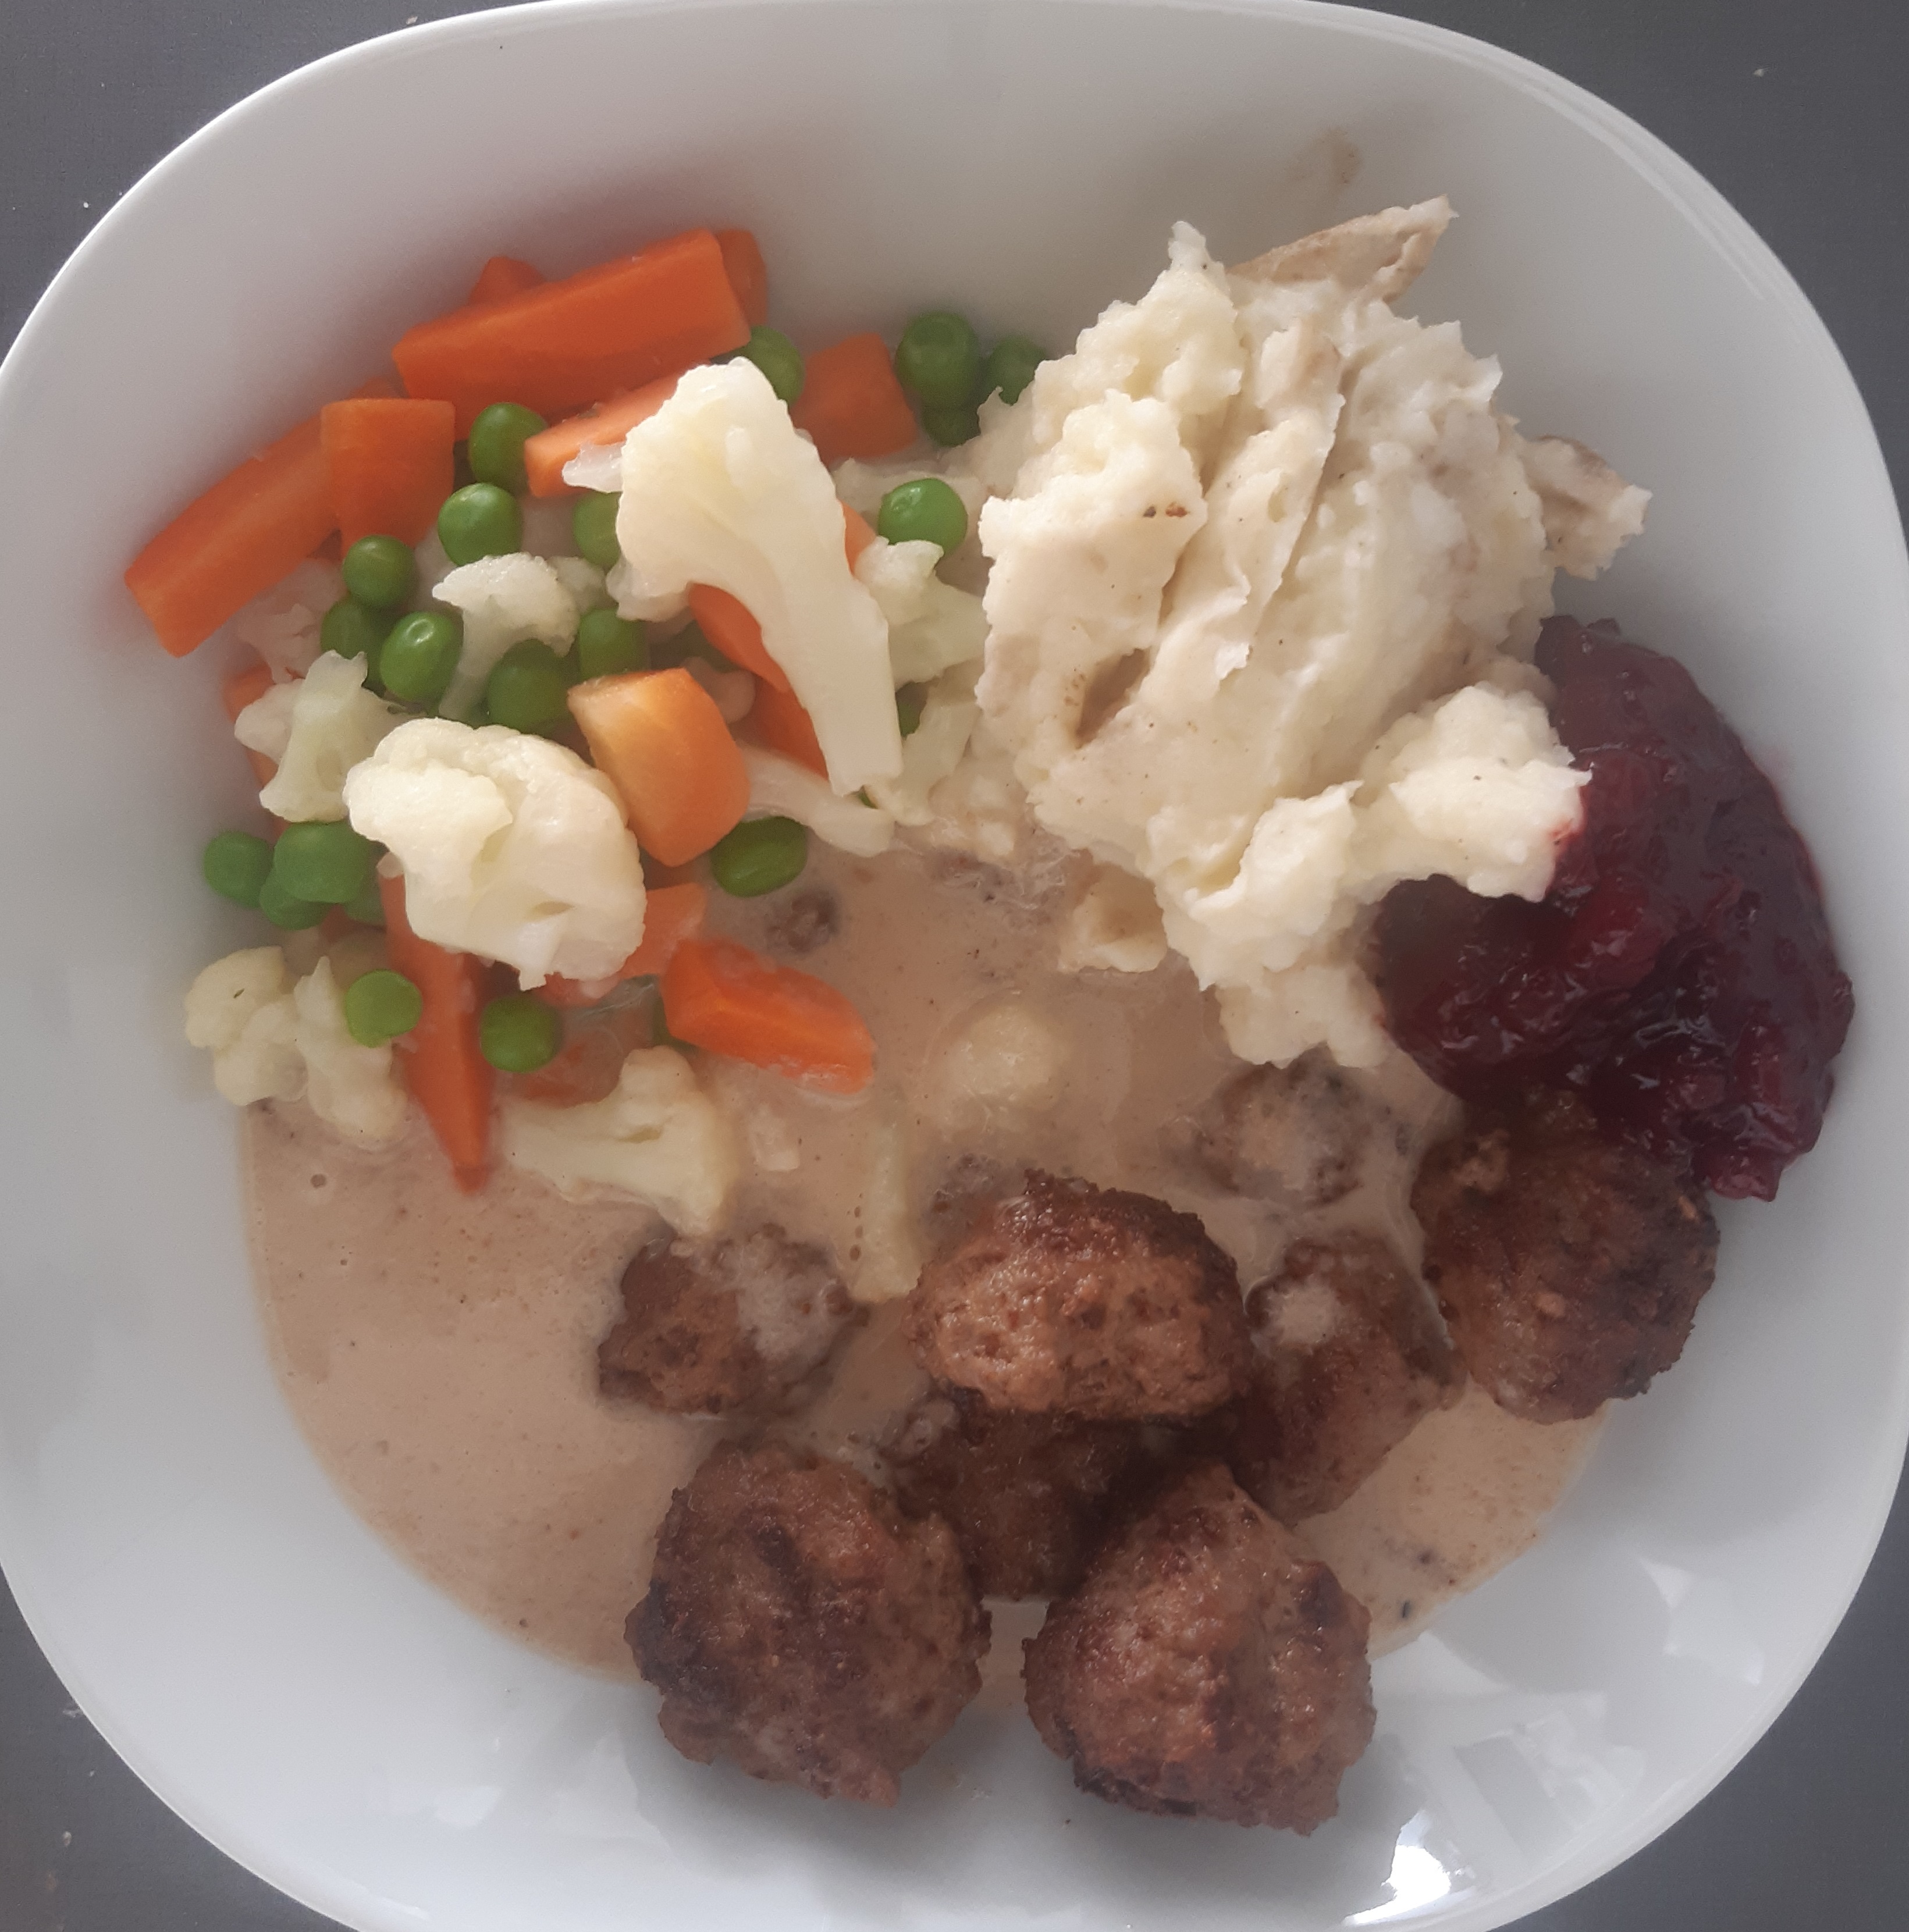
<point x="1679" y="973"/>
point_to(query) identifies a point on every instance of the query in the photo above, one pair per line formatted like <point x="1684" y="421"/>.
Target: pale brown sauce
<point x="439" y="1349"/>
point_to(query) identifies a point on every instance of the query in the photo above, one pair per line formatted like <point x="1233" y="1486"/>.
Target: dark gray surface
<point x="1797" y="112"/>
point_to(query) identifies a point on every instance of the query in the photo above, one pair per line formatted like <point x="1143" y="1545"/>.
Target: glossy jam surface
<point x="1679" y="973"/>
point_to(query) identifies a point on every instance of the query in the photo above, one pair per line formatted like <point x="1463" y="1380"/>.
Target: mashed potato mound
<point x="1267" y="567"/>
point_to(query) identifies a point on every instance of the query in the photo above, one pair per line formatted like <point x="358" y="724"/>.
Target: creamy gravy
<point x="439" y="1349"/>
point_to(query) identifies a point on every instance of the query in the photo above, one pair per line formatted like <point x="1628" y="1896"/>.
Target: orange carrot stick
<point x="726" y="621"/>
<point x="563" y="345"/>
<point x="390" y="465"/>
<point x="778" y="721"/>
<point x="440" y="1058"/>
<point x="242" y="687"/>
<point x="546" y="453"/>
<point x="728" y="624"/>
<point x="852" y="403"/>
<point x="237" y="540"/>
<point x="721" y="996"/>
<point x="659" y="739"/>
<point x="749" y="275"/>
<point x="503" y="275"/>
<point x="670" y="915"/>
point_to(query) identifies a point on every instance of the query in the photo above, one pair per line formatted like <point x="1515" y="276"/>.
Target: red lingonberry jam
<point x="1679" y="973"/>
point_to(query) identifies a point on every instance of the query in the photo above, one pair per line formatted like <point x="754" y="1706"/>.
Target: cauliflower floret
<point x="598" y="467"/>
<point x="1008" y="1055"/>
<point x="282" y="626"/>
<point x="240" y="1008"/>
<point x="315" y="730"/>
<point x="931" y="626"/>
<point x="351" y="1087"/>
<point x="504" y="601"/>
<point x="1114" y="926"/>
<point x="273" y="1040"/>
<point x="719" y="489"/>
<point x="781" y="788"/>
<point x="512" y="847"/>
<point x="658" y="1137"/>
<point x="930" y="752"/>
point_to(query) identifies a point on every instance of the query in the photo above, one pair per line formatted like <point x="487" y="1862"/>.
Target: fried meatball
<point x="1569" y="1265"/>
<point x="1029" y="1496"/>
<point x="1207" y="1667"/>
<point x="1069" y="1297"/>
<point x="1348" y="1354"/>
<point x="1297" y="1133"/>
<point x="799" y="1625"/>
<point x="712" y="1327"/>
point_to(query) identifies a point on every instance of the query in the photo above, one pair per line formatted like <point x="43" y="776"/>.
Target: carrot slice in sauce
<point x="546" y="453"/>
<point x="851" y="404"/>
<point x="721" y="996"/>
<point x="670" y="915"/>
<point x="749" y="275"/>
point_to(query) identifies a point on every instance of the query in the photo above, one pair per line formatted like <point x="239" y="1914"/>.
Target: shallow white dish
<point x="253" y="1652"/>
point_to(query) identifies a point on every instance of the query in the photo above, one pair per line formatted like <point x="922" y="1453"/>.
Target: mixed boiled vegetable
<point x="568" y="665"/>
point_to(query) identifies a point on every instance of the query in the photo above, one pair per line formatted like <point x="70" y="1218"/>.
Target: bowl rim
<point x="1659" y="167"/>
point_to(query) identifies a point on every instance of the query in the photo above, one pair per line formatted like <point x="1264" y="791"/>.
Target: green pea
<point x="236" y="864"/>
<point x="285" y="910"/>
<point x="779" y="359"/>
<point x="368" y="908"/>
<point x="355" y="630"/>
<point x="380" y="1005"/>
<point x="607" y="643"/>
<point x="761" y="855"/>
<point x="419" y="655"/>
<point x="1010" y="367"/>
<point x="926" y="510"/>
<point x="380" y="571"/>
<point x="938" y="359"/>
<point x="593" y="530"/>
<point x="528" y="689"/>
<point x="495" y="450"/>
<point x="324" y="862"/>
<point x="953" y="424"/>
<point x="908" y="710"/>
<point x="518" y="1034"/>
<point x="480" y="520"/>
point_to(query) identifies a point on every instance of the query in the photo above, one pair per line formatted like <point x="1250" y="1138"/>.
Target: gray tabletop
<point x="1797" y="112"/>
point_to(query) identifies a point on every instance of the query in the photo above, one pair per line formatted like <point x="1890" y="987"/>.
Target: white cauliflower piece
<point x="931" y="626"/>
<point x="316" y="730"/>
<point x="1007" y="1055"/>
<point x="932" y="751"/>
<point x="512" y="847"/>
<point x="1114" y="926"/>
<point x="720" y="489"/>
<point x="353" y="1088"/>
<point x="891" y="1259"/>
<point x="282" y="624"/>
<point x="598" y="467"/>
<point x="504" y="601"/>
<point x="273" y="1040"/>
<point x="658" y="1137"/>
<point x="781" y="788"/>
<point x="240" y="1009"/>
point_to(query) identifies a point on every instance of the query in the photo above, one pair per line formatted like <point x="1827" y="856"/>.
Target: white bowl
<point x="253" y="1651"/>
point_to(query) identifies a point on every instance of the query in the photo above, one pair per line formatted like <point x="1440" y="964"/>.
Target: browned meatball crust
<point x="710" y="1327"/>
<point x="1105" y="1304"/>
<point x="1348" y="1353"/>
<point x="1569" y="1266"/>
<point x="1298" y="1133"/>
<point x="797" y="1624"/>
<point x="1207" y="1667"/>
<point x="1030" y="1497"/>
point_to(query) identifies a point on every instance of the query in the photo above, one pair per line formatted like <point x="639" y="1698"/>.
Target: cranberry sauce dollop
<point x="1679" y="973"/>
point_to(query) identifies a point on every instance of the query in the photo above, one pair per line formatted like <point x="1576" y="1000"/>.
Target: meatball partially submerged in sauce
<point x="1297" y="1133"/>
<point x="1029" y="1496"/>
<point x="710" y="1327"/>
<point x="1349" y="1355"/>
<point x="1569" y="1265"/>
<point x="1206" y="1667"/>
<point x="1105" y="1304"/>
<point x="797" y="1624"/>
